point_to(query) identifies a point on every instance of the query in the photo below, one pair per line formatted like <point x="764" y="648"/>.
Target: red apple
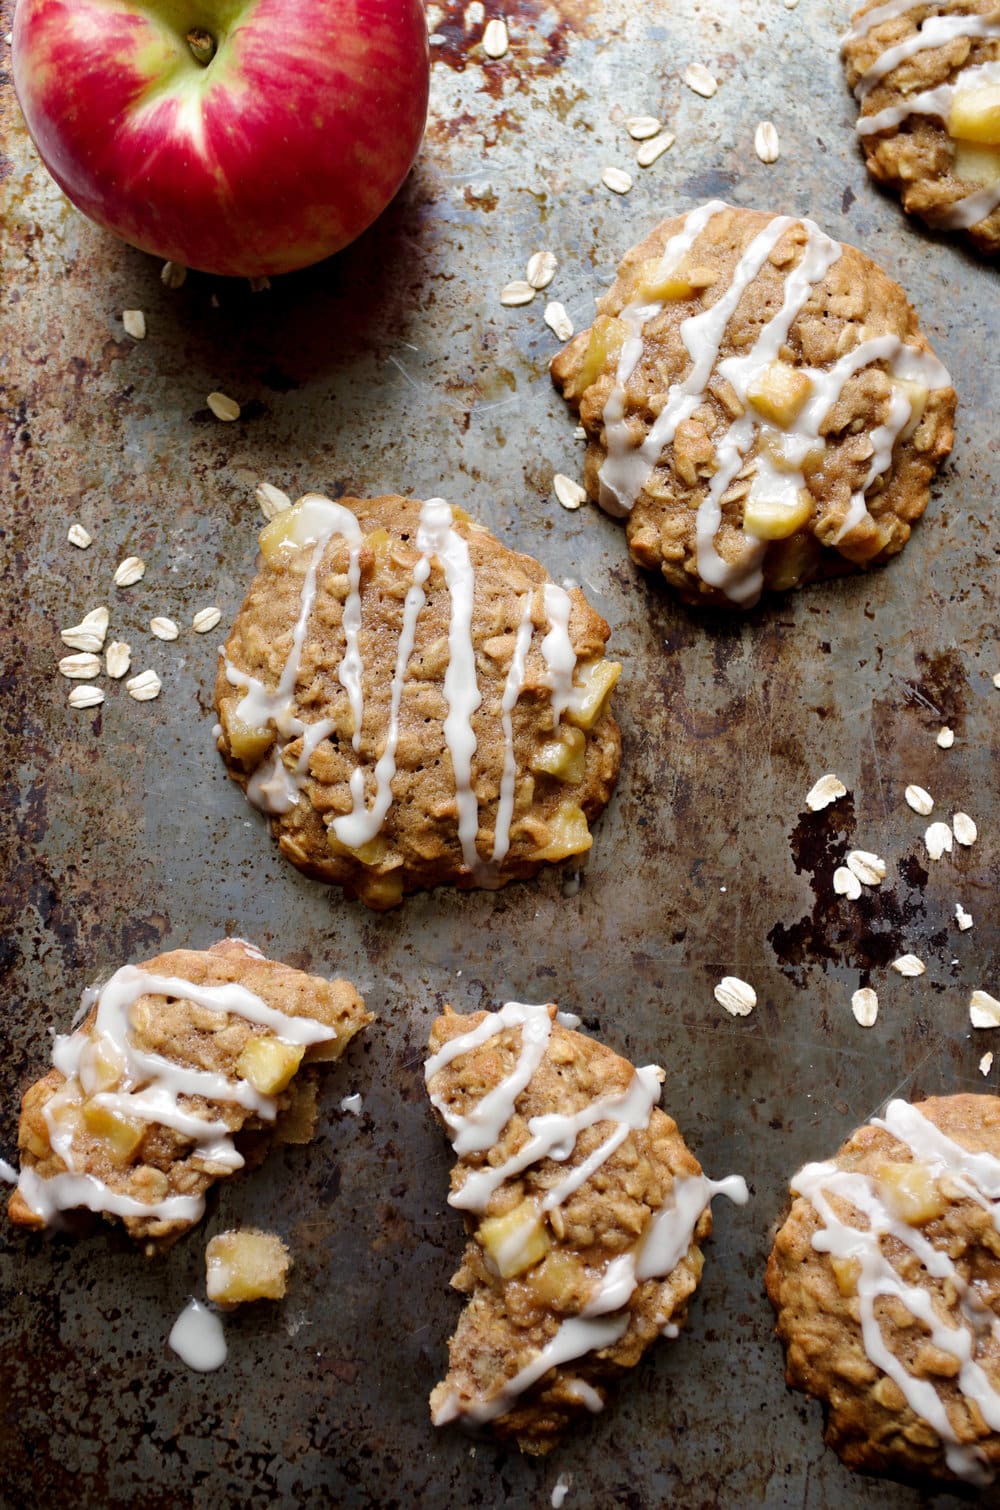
<point x="235" y="136"/>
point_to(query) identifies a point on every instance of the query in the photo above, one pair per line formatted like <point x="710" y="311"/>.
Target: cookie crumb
<point x="986" y="1063"/>
<point x="244" y="1265"/>
<point x="736" y="996"/>
<point x="962" y="918"/>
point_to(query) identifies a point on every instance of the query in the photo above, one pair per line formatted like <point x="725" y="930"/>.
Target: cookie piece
<point x="886" y="1282"/>
<point x="413" y="703"/>
<point x="759" y="403"/>
<point x="179" y="1064"/>
<point x="926" y="74"/>
<point x="586" y="1213"/>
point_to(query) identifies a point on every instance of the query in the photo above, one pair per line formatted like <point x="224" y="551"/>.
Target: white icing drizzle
<point x="511" y="692"/>
<point x="978" y="1174"/>
<point x="198" y="1339"/>
<point x="627" y="468"/>
<point x="461" y="688"/>
<point x="936" y="31"/>
<point x="936" y="102"/>
<point x="661" y="1246"/>
<point x="151" y="1087"/>
<point x="8" y="1173"/>
<point x="887" y="12"/>
<point x="575" y="1337"/>
<point x="969" y="210"/>
<point x="743" y="584"/>
<point x="579" y="1389"/>
<point x="557" y="648"/>
<point x="274" y="788"/>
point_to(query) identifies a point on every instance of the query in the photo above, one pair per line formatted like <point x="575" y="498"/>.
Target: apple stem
<point x="202" y="44"/>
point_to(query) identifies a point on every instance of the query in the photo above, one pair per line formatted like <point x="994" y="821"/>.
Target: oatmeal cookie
<point x="412" y="703"/>
<point x="585" y="1211"/>
<point x="886" y="1282"/>
<point x="926" y="74"/>
<point x="179" y="1067"/>
<point x="759" y="404"/>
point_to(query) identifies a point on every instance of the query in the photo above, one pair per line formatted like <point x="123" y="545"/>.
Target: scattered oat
<point x="938" y="840"/>
<point x="259" y="285"/>
<point x="946" y="737"/>
<point x="869" y="868"/>
<point x="962" y="918"/>
<point x="641" y="127"/>
<point x="163" y="628"/>
<point x="736" y="996"/>
<point x="648" y="153"/>
<point x="996" y="679"/>
<point x="134" y="322"/>
<point x="541" y="269"/>
<point x="272" y="500"/>
<point x="791" y="4"/>
<point x="558" y="321"/>
<point x="118" y="659"/>
<point x="85" y="697"/>
<point x="846" y="883"/>
<point x="172" y="274"/>
<point x="78" y="536"/>
<point x="205" y="619"/>
<point x="495" y="38"/>
<point x="909" y="965"/>
<point x="223" y="407"/>
<point x="518" y="292"/>
<point x="921" y="802"/>
<point x="864" y="1005"/>
<point x="82" y="667"/>
<point x="964" y="829"/>
<point x="144" y="687"/>
<point x="569" y="493"/>
<point x="579" y="433"/>
<point x="617" y="180"/>
<point x="130" y="571"/>
<point x="986" y="1063"/>
<point x="90" y="633"/>
<point x="827" y="789"/>
<point x="697" y="77"/>
<point x="766" y="142"/>
<point x="984" y="1010"/>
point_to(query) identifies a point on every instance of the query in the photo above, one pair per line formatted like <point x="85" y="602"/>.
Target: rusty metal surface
<point x="394" y="367"/>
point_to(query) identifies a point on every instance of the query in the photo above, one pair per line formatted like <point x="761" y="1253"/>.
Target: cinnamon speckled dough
<point x="868" y="1422"/>
<point x="166" y="1162"/>
<point x="418" y="843"/>
<point x="854" y="302"/>
<point x="508" y="1322"/>
<point x="928" y="168"/>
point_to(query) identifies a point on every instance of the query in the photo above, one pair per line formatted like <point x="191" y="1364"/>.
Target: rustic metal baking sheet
<point x="395" y="367"/>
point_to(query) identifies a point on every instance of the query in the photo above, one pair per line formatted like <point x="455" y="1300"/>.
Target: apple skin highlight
<point x="279" y="151"/>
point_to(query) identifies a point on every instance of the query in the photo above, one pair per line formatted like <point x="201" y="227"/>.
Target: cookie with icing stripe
<point x="179" y="1069"/>
<point x="886" y="1282"/>
<point x="585" y="1210"/>
<point x="926" y="74"/>
<point x="413" y="703"/>
<point x="759" y="403"/>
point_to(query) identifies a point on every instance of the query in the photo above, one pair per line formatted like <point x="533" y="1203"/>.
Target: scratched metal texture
<point x="395" y="367"/>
